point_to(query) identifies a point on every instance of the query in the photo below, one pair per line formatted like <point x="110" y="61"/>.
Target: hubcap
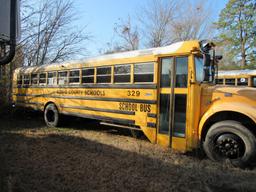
<point x="230" y="146"/>
<point x="50" y="116"/>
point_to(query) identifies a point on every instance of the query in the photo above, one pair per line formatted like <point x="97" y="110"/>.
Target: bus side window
<point x="88" y="75"/>
<point x="26" y="80"/>
<point x="34" y="79"/>
<point x="122" y="74"/>
<point x="19" y="80"/>
<point x="230" y="82"/>
<point x="143" y="72"/>
<point x="219" y="81"/>
<point x="62" y="78"/>
<point x="52" y="78"/>
<point x="242" y="81"/>
<point x="74" y="76"/>
<point x="42" y="79"/>
<point x="181" y="72"/>
<point x="104" y="75"/>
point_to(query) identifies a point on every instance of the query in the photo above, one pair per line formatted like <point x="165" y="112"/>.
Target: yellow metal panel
<point x="163" y="140"/>
<point x="179" y="144"/>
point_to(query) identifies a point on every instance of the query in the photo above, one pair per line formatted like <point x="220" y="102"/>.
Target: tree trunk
<point x="10" y="84"/>
<point x="243" y="55"/>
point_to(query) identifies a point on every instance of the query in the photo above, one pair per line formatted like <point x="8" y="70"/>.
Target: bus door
<point x="173" y="102"/>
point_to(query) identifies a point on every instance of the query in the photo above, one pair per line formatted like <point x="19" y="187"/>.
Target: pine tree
<point x="236" y="23"/>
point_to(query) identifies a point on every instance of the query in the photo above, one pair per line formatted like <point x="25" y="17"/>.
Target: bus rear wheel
<point x="51" y="115"/>
<point x="230" y="140"/>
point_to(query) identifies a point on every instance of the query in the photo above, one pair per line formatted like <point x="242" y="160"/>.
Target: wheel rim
<point x="50" y="116"/>
<point x="229" y="145"/>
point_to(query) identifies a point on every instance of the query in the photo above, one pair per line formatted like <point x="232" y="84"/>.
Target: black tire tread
<point x="237" y="128"/>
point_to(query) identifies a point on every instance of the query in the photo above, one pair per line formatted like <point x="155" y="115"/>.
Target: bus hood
<point x="218" y="96"/>
<point x="229" y="91"/>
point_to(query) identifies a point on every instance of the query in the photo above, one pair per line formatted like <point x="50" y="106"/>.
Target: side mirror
<point x="207" y="64"/>
<point x="206" y="74"/>
<point x="207" y="60"/>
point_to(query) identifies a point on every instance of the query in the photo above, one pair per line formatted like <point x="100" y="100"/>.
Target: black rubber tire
<point x="237" y="129"/>
<point x="51" y="116"/>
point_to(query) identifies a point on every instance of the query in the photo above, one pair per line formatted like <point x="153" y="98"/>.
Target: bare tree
<point x="125" y="38"/>
<point x="111" y="47"/>
<point x="155" y="19"/>
<point x="166" y="21"/>
<point x="194" y="21"/>
<point x="129" y="35"/>
<point x="48" y="34"/>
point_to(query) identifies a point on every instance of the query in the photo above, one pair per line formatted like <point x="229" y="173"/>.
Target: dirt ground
<point x="86" y="156"/>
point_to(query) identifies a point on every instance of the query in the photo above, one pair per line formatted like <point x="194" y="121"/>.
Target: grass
<point x="85" y="156"/>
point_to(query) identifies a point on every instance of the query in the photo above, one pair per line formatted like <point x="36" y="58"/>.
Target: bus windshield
<point x="199" y="65"/>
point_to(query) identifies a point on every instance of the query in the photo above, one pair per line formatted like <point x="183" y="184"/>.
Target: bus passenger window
<point x="19" y="80"/>
<point x="88" y="75"/>
<point x="165" y="72"/>
<point x="34" y="79"/>
<point x="181" y="72"/>
<point x="219" y="81"/>
<point x="62" y="78"/>
<point x="242" y="81"/>
<point x="26" y="79"/>
<point x="122" y="73"/>
<point x="144" y="72"/>
<point x="52" y="78"/>
<point x="104" y="75"/>
<point x="74" y="76"/>
<point x="230" y="82"/>
<point x="42" y="78"/>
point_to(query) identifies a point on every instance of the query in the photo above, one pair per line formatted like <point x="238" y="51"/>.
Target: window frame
<point x="238" y="81"/>
<point x="123" y="74"/>
<point x="93" y="76"/>
<point x="111" y="74"/>
<point x="19" y="78"/>
<point x="58" y="78"/>
<point x="195" y="67"/>
<point x="39" y="78"/>
<point x="31" y="79"/>
<point x="217" y="81"/>
<point x="69" y="76"/>
<point x="230" y="79"/>
<point x="175" y="81"/>
<point x="144" y="63"/>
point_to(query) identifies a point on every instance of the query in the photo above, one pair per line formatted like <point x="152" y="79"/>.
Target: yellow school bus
<point x="168" y="93"/>
<point x="237" y="78"/>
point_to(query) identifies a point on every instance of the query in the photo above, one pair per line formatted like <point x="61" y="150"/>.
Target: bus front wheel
<point x="51" y="115"/>
<point x="230" y="140"/>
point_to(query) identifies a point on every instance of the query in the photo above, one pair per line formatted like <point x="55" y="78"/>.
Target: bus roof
<point x="179" y="47"/>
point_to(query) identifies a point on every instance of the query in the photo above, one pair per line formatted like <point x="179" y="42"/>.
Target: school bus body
<point x="177" y="115"/>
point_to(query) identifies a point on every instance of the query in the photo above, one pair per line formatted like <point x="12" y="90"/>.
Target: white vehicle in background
<point x="245" y="77"/>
